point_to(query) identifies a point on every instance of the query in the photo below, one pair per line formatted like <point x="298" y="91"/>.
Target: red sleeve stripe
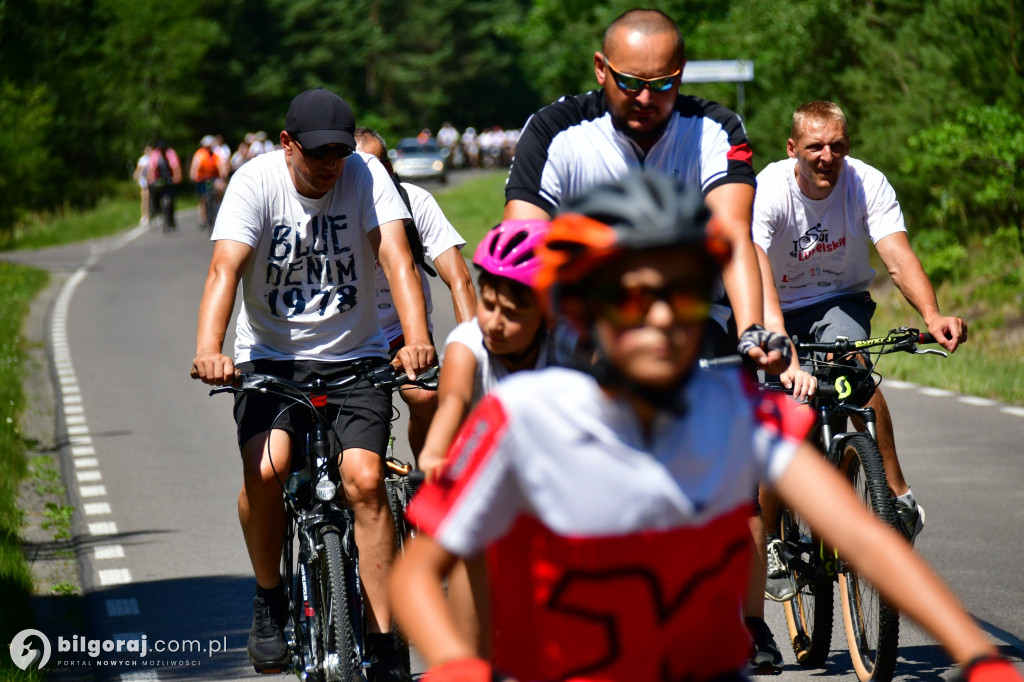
<point x="468" y="455"/>
<point x="740" y="152"/>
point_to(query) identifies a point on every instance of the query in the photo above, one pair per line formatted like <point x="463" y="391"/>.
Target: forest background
<point x="933" y="91"/>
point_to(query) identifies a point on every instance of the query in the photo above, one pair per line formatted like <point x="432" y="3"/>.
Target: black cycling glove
<point x="757" y="336"/>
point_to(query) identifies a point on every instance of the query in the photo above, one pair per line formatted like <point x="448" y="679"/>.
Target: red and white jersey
<point x="613" y="554"/>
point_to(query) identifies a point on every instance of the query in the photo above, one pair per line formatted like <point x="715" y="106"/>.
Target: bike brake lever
<point x="930" y="351"/>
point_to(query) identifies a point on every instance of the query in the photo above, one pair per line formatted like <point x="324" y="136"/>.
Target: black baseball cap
<point x="318" y="117"/>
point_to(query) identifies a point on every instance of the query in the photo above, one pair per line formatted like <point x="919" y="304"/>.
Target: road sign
<point x="721" y="71"/>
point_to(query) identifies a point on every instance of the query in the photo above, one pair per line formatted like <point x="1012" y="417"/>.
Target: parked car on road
<point x="415" y="160"/>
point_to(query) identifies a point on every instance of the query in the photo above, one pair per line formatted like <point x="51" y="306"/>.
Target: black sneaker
<point x="389" y="660"/>
<point x="909" y="520"/>
<point x="267" y="647"/>
<point x="765" y="657"/>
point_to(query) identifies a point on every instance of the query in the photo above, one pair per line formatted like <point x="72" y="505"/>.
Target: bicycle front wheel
<point x="337" y="653"/>
<point x="872" y="626"/>
<point x="809" y="613"/>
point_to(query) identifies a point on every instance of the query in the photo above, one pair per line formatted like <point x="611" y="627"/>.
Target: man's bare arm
<point x="910" y="278"/>
<point x="732" y="205"/>
<point x="454" y="272"/>
<point x="517" y="209"/>
<point x="230" y="259"/>
<point x="392" y="249"/>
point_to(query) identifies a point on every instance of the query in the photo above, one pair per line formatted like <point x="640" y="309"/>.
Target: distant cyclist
<point x="163" y="175"/>
<point x="206" y="169"/>
<point x="613" y="504"/>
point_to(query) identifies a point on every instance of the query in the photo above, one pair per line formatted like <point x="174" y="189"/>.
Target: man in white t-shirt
<point x="815" y="215"/>
<point x="442" y="244"/>
<point x="301" y="228"/>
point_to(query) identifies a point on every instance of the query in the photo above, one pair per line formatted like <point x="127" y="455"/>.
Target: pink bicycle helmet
<point x="509" y="250"/>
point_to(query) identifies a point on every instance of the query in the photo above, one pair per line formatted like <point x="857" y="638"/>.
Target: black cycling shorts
<point x="361" y="416"/>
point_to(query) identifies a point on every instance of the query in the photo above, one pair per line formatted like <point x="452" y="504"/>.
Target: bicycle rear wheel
<point x="336" y="636"/>
<point x="809" y="613"/>
<point x="872" y="626"/>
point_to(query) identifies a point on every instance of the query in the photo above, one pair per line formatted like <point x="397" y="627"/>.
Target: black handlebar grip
<point x="926" y="337"/>
<point x="827" y="391"/>
<point x="416" y="478"/>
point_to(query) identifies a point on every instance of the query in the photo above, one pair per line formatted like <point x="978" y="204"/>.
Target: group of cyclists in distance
<point x="593" y="501"/>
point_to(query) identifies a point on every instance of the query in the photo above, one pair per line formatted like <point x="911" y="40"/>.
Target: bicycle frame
<point x="315" y="511"/>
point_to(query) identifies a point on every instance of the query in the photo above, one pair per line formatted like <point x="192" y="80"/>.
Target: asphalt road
<point x="152" y="468"/>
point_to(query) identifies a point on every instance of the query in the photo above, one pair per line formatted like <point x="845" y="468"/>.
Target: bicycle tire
<point x="872" y="626"/>
<point x="809" y="613"/>
<point x="395" y="491"/>
<point x="337" y="653"/>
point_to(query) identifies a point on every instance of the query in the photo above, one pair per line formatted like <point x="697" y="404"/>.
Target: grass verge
<point x="475" y="206"/>
<point x="110" y="216"/>
<point x="19" y="284"/>
<point x="986" y="291"/>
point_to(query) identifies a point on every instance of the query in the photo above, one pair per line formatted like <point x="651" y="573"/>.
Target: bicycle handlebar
<point x="901" y="339"/>
<point x="384" y="376"/>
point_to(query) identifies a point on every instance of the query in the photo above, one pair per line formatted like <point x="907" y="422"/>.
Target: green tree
<point x="24" y="171"/>
<point x="976" y="167"/>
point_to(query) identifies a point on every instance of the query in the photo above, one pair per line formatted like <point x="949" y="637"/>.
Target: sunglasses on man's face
<point x="634" y="84"/>
<point x="629" y="306"/>
<point x="320" y="153"/>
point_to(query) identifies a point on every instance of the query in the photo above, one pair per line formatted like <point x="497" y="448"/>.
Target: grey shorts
<point x="848" y="315"/>
<point x="361" y="418"/>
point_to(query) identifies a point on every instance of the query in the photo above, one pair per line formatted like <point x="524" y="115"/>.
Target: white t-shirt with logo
<point x="818" y="248"/>
<point x="437" y="236"/>
<point x="309" y="292"/>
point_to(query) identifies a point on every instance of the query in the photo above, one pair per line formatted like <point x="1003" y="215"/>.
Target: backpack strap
<point x="412" y="234"/>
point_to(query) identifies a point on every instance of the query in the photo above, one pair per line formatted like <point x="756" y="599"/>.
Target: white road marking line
<point x="935" y="392"/>
<point x="1015" y="411"/>
<point x="74" y="409"/>
<point x="896" y="383"/>
<point x="86" y="463"/>
<point x="115" y="576"/>
<point x="122" y="607"/>
<point x="96" y="508"/>
<point x="103" y="528"/>
<point x="78" y="430"/>
<point x="981" y="402"/>
<point x="101" y="552"/>
<point x="80" y="450"/>
<point x="90" y="476"/>
<point x="80" y="440"/>
<point x="92" y="491"/>
<point x="74" y="420"/>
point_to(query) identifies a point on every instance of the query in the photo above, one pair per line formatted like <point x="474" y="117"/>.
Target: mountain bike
<point x="320" y="561"/>
<point x="872" y="626"/>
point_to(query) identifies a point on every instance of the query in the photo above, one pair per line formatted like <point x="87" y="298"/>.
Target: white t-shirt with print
<point x="818" y="248"/>
<point x="309" y="292"/>
<point x="489" y="368"/>
<point x="437" y="235"/>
